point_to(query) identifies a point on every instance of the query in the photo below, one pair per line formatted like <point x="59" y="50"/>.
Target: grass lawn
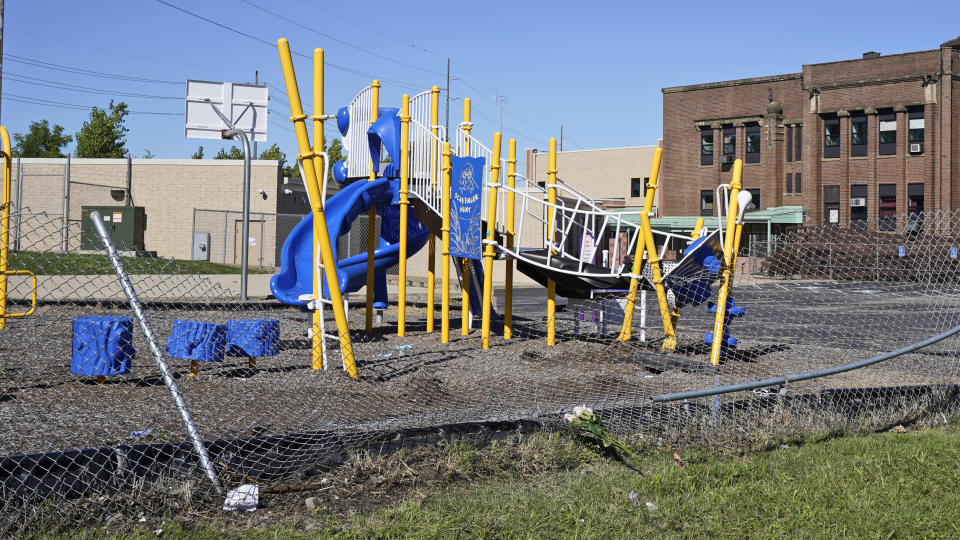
<point x="557" y="486"/>
<point x="44" y="263"/>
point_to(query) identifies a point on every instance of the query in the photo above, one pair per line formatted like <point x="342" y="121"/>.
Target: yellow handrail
<point x="33" y="300"/>
<point x="6" y="152"/>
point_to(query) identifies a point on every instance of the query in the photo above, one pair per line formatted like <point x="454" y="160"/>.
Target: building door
<point x="255" y="240"/>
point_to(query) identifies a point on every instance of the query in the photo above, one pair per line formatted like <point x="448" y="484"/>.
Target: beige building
<point x="179" y="196"/>
<point x="614" y="176"/>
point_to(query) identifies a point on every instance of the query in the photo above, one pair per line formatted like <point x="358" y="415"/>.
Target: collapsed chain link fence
<point x="93" y="435"/>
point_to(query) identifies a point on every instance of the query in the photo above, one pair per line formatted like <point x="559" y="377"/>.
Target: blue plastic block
<point x="253" y="337"/>
<point x="200" y="341"/>
<point x="102" y="345"/>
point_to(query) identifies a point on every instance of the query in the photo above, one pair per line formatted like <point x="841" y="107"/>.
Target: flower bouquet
<point x="584" y="418"/>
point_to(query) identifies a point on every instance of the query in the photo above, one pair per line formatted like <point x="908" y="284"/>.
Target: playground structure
<point x="412" y="195"/>
<point x="825" y="342"/>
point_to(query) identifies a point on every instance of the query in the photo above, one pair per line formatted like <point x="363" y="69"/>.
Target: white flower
<point x="570" y="417"/>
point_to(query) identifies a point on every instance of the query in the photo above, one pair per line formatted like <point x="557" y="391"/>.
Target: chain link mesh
<point x="90" y="440"/>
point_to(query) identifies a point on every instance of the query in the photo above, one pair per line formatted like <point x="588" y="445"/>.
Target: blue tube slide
<point x="296" y="256"/>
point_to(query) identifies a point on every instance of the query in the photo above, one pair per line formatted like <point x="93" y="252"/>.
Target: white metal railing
<point x="355" y="141"/>
<point x="425" y="165"/>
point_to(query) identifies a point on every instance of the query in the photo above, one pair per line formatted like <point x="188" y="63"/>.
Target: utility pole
<point x="501" y="99"/>
<point x="446" y="116"/>
<point x="1" y="46"/>
<point x="256" y="80"/>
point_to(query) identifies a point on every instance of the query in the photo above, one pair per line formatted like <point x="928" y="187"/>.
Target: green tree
<point x="147" y="154"/>
<point x="104" y="134"/>
<point x="198" y="154"/>
<point x="41" y="141"/>
<point x="234" y="153"/>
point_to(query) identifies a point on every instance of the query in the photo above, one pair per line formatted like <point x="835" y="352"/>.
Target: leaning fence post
<point x="162" y="365"/>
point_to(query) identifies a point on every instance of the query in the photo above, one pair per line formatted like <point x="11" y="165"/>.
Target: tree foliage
<point x="104" y="134"/>
<point x="41" y="141"/>
<point x="198" y="154"/>
<point x="234" y="153"/>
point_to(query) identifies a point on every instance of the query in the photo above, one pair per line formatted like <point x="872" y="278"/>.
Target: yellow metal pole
<point x="511" y="201"/>
<point x="697" y="228"/>
<point x="551" y="214"/>
<point x="645" y="241"/>
<point x="488" y="252"/>
<point x="371" y="217"/>
<point x="465" y="263"/>
<point x="7" y="153"/>
<point x="730" y="241"/>
<point x="445" y="250"/>
<point x="404" y="204"/>
<point x="431" y="239"/>
<point x="321" y="235"/>
<point x="317" y="339"/>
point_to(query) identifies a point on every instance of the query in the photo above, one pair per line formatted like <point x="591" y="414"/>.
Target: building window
<point x="706" y="147"/>
<point x="887" y="193"/>
<point x="638" y="187"/>
<point x="831" y="205"/>
<point x="789" y="182"/>
<point x="756" y="198"/>
<point x="915" y="208"/>
<point x="798" y="142"/>
<point x="796" y="183"/>
<point x="706" y="202"/>
<point x="753" y="143"/>
<point x="888" y="133"/>
<point x="915" y="129"/>
<point x="729" y="142"/>
<point x="831" y="136"/>
<point x="858" y="134"/>
<point x="789" y="144"/>
<point x="858" y="206"/>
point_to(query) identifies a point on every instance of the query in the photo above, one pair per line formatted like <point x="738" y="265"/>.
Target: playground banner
<point x="466" y="188"/>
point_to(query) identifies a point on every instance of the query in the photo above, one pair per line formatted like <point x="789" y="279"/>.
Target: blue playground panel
<point x="197" y="341"/>
<point x="102" y="345"/>
<point x="253" y="338"/>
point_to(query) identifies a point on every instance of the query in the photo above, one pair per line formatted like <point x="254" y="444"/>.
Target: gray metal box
<point x="201" y="246"/>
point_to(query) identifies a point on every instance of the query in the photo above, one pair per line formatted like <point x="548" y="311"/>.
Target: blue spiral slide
<point x="296" y="256"/>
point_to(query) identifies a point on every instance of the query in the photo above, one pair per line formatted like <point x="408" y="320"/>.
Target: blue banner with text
<point x="466" y="189"/>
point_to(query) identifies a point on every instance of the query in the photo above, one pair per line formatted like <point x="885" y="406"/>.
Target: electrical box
<point x="201" y="246"/>
<point x="126" y="225"/>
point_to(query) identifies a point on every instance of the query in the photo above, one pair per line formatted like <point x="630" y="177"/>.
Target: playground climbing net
<point x="95" y="429"/>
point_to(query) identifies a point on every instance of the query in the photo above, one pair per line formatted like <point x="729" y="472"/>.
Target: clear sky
<point x="596" y="68"/>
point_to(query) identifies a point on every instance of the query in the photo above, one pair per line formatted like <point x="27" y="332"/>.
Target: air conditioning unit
<point x="726" y="159"/>
<point x="858" y="201"/>
<point x="916" y="148"/>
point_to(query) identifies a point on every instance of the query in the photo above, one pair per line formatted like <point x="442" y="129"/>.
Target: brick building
<point x="853" y="142"/>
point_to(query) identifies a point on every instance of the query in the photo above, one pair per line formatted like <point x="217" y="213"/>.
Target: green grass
<point x="43" y="263"/>
<point x="899" y="485"/>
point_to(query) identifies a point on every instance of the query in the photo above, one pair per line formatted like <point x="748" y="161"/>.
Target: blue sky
<point x="595" y="67"/>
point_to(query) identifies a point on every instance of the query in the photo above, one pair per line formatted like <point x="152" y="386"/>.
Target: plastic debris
<point x="385" y="355"/>
<point x="677" y="460"/>
<point x="141" y="433"/>
<point x="635" y="499"/>
<point x="403" y="347"/>
<point x="312" y="503"/>
<point x="652" y="507"/>
<point x="244" y="498"/>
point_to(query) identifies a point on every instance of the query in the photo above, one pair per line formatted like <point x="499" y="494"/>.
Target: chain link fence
<point x="95" y="430"/>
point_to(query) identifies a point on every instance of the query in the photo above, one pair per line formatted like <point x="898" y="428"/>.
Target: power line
<point x="347" y="43"/>
<point x="80" y="71"/>
<point x="379" y="31"/>
<point x="78" y="88"/>
<point x="77" y="106"/>
<point x="273" y="45"/>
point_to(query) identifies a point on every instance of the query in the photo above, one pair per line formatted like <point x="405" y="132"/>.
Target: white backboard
<point x="243" y="103"/>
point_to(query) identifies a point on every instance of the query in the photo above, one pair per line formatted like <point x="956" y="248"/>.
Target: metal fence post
<point x="162" y="365"/>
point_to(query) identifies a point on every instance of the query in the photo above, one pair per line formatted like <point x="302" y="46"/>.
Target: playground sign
<point x="466" y="179"/>
<point x="244" y="104"/>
